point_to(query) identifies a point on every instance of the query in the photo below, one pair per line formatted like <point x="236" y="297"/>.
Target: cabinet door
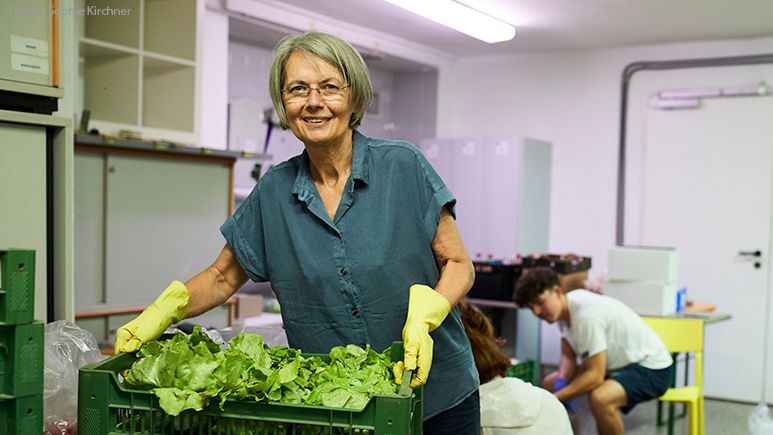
<point x="89" y="243"/>
<point x="500" y="191"/>
<point x="467" y="184"/>
<point x="162" y="223"/>
<point x="23" y="199"/>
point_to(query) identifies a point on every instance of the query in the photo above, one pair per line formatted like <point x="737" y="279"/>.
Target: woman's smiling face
<point x="314" y="120"/>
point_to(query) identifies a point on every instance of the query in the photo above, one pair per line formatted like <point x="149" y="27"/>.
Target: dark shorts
<point x="642" y="384"/>
<point x="462" y="419"/>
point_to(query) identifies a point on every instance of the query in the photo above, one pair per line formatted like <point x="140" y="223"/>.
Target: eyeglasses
<point x="327" y="92"/>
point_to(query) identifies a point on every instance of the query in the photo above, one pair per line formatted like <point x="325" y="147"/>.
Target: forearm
<point x="215" y="284"/>
<point x="566" y="367"/>
<point x="208" y="289"/>
<point x="585" y="382"/>
<point x="456" y="271"/>
<point x="456" y="278"/>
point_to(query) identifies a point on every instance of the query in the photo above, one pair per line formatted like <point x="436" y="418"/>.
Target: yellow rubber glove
<point x="426" y="311"/>
<point x="169" y="308"/>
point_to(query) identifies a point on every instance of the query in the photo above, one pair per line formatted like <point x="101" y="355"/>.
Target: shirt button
<point x="344" y="271"/>
<point x="355" y="311"/>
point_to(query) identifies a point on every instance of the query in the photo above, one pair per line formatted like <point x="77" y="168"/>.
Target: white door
<point x="707" y="183"/>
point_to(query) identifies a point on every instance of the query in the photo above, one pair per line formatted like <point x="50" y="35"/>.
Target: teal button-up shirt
<point x="346" y="281"/>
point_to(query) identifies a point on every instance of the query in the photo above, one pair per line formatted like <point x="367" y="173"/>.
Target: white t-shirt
<point x="511" y="406"/>
<point x="598" y="323"/>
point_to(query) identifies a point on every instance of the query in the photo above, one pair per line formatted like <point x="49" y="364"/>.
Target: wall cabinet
<point x="138" y="67"/>
<point x="142" y="219"/>
<point x="503" y="192"/>
<point x="27" y="42"/>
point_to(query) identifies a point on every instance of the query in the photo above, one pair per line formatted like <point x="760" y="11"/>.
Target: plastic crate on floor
<point x="21" y="360"/>
<point x="105" y="406"/>
<point x="525" y="370"/>
<point x="17" y="286"/>
<point x="22" y="415"/>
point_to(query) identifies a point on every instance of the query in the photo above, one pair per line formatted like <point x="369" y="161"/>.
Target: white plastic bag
<point x="67" y="348"/>
<point x="760" y="422"/>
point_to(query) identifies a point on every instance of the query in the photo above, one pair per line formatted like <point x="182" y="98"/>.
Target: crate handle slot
<point x="405" y="387"/>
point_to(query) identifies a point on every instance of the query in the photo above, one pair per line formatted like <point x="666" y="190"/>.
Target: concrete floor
<point x="722" y="418"/>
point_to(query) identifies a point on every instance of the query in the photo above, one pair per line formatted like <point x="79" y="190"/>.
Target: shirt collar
<point x="303" y="186"/>
<point x="360" y="143"/>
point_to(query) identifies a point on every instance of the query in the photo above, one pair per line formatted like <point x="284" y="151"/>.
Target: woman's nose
<point x="314" y="98"/>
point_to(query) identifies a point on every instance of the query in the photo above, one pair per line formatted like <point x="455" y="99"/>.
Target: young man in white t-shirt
<point x="607" y="351"/>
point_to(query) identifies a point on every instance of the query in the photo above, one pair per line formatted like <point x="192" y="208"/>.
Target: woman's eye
<point x="331" y="87"/>
<point x="298" y="89"/>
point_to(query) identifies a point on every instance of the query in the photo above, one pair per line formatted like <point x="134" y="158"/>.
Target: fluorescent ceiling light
<point x="461" y="18"/>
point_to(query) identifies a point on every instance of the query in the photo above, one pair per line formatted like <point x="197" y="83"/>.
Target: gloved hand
<point x="169" y="308"/>
<point x="559" y="384"/>
<point x="426" y="311"/>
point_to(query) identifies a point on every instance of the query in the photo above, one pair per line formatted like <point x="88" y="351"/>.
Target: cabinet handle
<point x="750" y="253"/>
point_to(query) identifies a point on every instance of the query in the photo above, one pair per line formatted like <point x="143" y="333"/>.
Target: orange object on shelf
<point x="699" y="307"/>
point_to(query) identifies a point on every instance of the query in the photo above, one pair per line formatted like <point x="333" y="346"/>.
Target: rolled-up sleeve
<point x="243" y="232"/>
<point x="436" y="195"/>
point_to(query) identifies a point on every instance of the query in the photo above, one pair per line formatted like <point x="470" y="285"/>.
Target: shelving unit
<point x="167" y="98"/>
<point x="139" y="70"/>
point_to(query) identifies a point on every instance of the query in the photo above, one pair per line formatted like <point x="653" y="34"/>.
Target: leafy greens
<point x="188" y="372"/>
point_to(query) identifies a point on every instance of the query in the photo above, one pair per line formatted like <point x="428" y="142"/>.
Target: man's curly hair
<point x="532" y="283"/>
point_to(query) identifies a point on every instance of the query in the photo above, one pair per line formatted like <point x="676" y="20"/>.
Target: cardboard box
<point x="641" y="263"/>
<point x="249" y="305"/>
<point x="652" y="298"/>
<point x="572" y="281"/>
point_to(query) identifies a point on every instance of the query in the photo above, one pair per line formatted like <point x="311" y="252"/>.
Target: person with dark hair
<point x="356" y="235"/>
<point x="508" y="406"/>
<point x="607" y="351"/>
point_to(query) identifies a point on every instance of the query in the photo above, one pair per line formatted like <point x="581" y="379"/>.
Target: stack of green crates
<point x="21" y="346"/>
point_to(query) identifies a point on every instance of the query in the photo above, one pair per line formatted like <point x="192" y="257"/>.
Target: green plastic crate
<point x="106" y="407"/>
<point x="21" y="360"/>
<point x="22" y="415"/>
<point x="17" y="286"/>
<point x="525" y="370"/>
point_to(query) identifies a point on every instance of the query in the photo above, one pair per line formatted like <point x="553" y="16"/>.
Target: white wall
<point x="212" y="79"/>
<point x="573" y="100"/>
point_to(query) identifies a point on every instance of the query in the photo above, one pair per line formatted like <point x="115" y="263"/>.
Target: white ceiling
<point x="549" y="25"/>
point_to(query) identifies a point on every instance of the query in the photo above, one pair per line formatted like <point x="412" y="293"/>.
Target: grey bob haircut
<point x="333" y="50"/>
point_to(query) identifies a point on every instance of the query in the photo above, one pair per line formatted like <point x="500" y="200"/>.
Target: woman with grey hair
<point x="356" y="235"/>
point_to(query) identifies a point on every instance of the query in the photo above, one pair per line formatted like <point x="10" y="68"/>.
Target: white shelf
<point x="167" y="98"/>
<point x="170" y="28"/>
<point x="90" y="47"/>
<point x="139" y="70"/>
<point x="123" y="30"/>
<point x="110" y="83"/>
